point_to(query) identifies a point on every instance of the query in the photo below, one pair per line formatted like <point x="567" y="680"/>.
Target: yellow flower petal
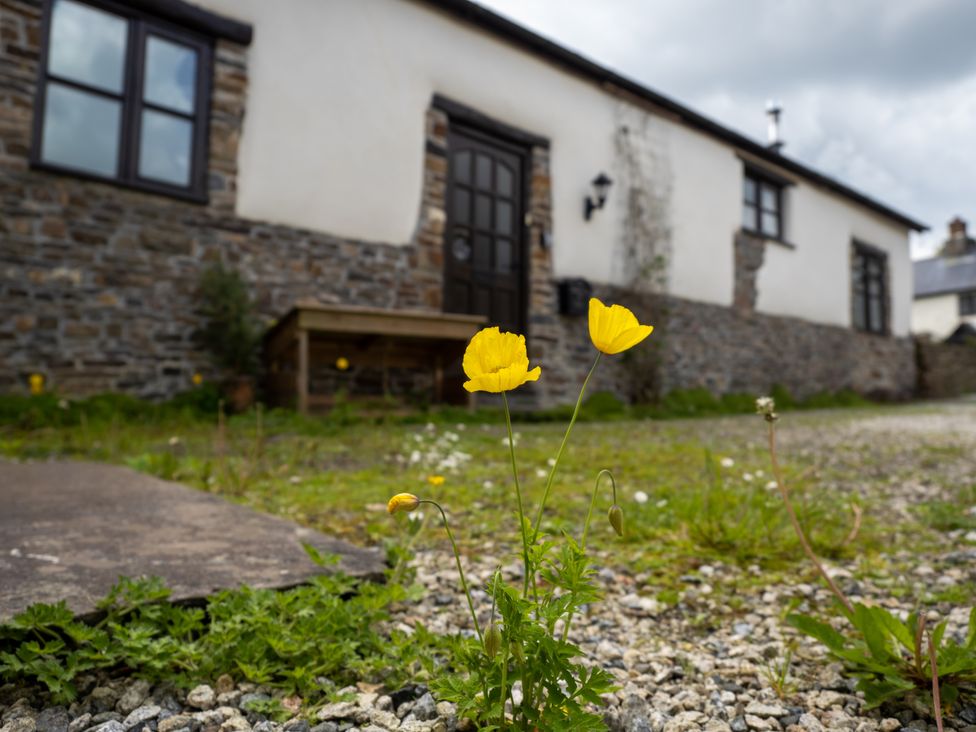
<point x="614" y="329"/>
<point x="405" y="502"/>
<point x="497" y="362"/>
<point x="435" y="479"/>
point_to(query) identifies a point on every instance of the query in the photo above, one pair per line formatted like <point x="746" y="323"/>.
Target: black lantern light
<point x="601" y="184"/>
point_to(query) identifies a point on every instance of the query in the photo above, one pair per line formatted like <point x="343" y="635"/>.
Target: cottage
<point x="412" y="155"/>
<point x="945" y="287"/>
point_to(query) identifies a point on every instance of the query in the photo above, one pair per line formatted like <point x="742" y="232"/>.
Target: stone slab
<point x="69" y="530"/>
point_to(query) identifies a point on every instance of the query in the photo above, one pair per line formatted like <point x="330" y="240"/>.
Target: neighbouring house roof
<point x="517" y="35"/>
<point x="945" y="275"/>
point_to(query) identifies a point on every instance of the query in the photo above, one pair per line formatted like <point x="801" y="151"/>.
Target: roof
<point x="944" y="275"/>
<point x="517" y="35"/>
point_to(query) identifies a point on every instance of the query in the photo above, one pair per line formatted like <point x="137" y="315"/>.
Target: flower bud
<point x="493" y="641"/>
<point x="406" y="502"/>
<point x="616" y="516"/>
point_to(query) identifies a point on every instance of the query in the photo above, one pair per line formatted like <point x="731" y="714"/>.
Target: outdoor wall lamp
<point x="601" y="184"/>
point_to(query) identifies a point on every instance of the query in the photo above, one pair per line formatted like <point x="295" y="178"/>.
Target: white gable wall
<point x="333" y="141"/>
<point x="938" y="316"/>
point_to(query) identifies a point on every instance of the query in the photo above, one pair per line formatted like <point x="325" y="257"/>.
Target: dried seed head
<point x="616" y="516"/>
<point x="766" y="407"/>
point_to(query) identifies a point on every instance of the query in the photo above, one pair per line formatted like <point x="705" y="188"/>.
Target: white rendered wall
<point x="938" y="316"/>
<point x="334" y="141"/>
<point x="813" y="281"/>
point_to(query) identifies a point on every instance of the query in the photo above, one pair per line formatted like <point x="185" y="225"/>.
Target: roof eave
<point x="521" y="36"/>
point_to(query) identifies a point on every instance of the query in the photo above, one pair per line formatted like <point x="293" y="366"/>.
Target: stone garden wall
<point x="97" y="282"/>
<point x="946" y="369"/>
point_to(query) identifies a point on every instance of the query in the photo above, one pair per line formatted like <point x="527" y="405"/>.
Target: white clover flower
<point x="174" y="441"/>
<point x="488" y="484"/>
<point x="662" y="503"/>
<point x="747" y="477"/>
<point x="415" y="456"/>
<point x="767" y="408"/>
<point x="551" y="462"/>
<point x="640" y="497"/>
<point x="759" y="474"/>
<point x="726" y="462"/>
<point x="772" y="485"/>
<point x="541" y="473"/>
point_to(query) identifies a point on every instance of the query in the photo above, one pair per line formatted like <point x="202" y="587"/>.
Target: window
<point x="967" y="303"/>
<point x="124" y="98"/>
<point x="869" y="277"/>
<point x="762" y="206"/>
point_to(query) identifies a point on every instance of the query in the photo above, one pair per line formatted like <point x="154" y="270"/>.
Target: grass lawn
<point x="693" y="491"/>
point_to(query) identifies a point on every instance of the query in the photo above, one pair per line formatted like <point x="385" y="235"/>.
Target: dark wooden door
<point x="485" y="264"/>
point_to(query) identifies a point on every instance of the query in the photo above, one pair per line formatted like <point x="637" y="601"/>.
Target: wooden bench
<point x="313" y="334"/>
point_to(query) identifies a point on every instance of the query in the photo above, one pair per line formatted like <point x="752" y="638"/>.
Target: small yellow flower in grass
<point x="197" y="379"/>
<point x="435" y="480"/>
<point x="405" y="502"/>
<point x="497" y="362"/>
<point x="342" y="363"/>
<point x="614" y="329"/>
<point x="36" y="382"/>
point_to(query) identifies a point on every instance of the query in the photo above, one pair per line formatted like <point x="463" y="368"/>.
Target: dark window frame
<point x="763" y="181"/>
<point x="967" y="303"/>
<point x="141" y="26"/>
<point x="860" y="289"/>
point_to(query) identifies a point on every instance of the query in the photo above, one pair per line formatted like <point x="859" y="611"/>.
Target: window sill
<point x="769" y="239"/>
<point x="138" y="186"/>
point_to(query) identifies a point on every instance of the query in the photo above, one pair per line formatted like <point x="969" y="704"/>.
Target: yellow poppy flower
<point x="405" y="502"/>
<point x="614" y="329"/>
<point x="497" y="362"/>
<point x="197" y="379"/>
<point x="435" y="479"/>
<point x="342" y="363"/>
<point x="36" y="382"/>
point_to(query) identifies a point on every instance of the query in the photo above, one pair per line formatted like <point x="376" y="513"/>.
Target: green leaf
<point x="818" y="630"/>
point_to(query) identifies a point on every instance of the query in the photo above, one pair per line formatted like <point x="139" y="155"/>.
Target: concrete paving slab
<point x="69" y="530"/>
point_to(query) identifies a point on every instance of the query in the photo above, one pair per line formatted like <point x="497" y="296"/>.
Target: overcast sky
<point x="880" y="94"/>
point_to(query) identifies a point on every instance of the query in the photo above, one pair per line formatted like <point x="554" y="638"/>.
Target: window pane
<point x="164" y="150"/>
<point x="750" y="190"/>
<point x="503" y="185"/>
<point x="768" y="193"/>
<point x="81" y="130"/>
<point x="482" y="171"/>
<point x="770" y="224"/>
<point x="87" y="45"/>
<point x="859" y="307"/>
<point x="171" y="74"/>
<point x="482" y="252"/>
<point x="482" y="212"/>
<point x="462" y="166"/>
<point x="503" y="217"/>
<point x="503" y="255"/>
<point x="462" y="206"/>
<point x="749" y="217"/>
<point x="875" y="320"/>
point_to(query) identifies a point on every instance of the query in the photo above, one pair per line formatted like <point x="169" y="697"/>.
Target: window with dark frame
<point x="762" y="206"/>
<point x="124" y="97"/>
<point x="869" y="282"/>
<point x="967" y="303"/>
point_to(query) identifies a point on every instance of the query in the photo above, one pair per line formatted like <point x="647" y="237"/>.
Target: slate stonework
<point x="97" y="282"/>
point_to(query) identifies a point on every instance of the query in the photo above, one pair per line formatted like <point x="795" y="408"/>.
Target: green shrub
<point x="231" y="332"/>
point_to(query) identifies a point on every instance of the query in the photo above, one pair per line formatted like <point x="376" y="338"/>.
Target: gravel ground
<point x="704" y="663"/>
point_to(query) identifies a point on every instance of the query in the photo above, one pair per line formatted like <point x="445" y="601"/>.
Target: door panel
<point x="485" y="262"/>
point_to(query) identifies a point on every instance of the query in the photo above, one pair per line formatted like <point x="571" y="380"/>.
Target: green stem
<point x="518" y="495"/>
<point x="589" y="513"/>
<point x="552" y="473"/>
<point x="503" y="696"/>
<point x="586" y="528"/>
<point x="457" y="559"/>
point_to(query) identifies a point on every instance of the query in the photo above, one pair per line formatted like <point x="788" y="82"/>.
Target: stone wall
<point x="945" y="369"/>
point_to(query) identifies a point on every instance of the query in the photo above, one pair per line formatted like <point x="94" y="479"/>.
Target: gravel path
<point x="704" y="663"/>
